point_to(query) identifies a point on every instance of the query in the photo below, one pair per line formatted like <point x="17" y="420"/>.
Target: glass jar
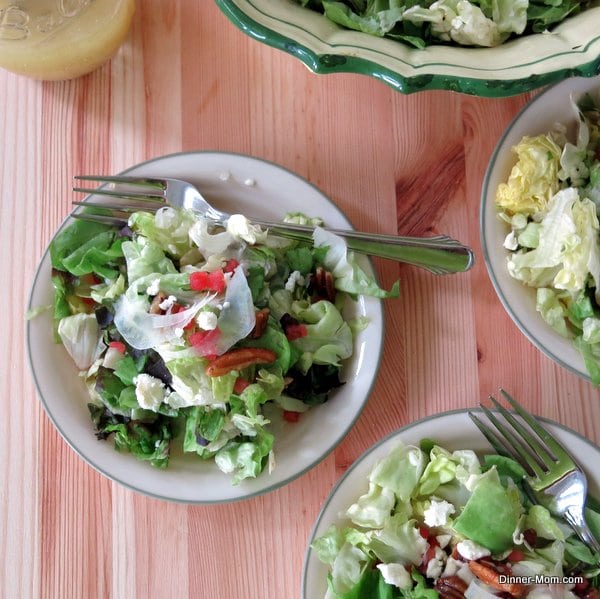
<point x="61" y="39"/>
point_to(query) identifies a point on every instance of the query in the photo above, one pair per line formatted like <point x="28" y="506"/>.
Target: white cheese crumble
<point x="295" y="279"/>
<point x="224" y="175"/>
<point x="250" y="182"/>
<point x="207" y="320"/>
<point x="437" y="513"/>
<point x="240" y="227"/>
<point x="435" y="565"/>
<point x="149" y="391"/>
<point x="167" y="303"/>
<point x="395" y="574"/>
<point x="458" y="568"/>
<point x="471" y="550"/>
<point x="153" y="288"/>
<point x="443" y="540"/>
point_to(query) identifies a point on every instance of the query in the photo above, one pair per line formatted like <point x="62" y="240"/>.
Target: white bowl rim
<point x="267" y="488"/>
<point x="397" y="434"/>
<point x="585" y="85"/>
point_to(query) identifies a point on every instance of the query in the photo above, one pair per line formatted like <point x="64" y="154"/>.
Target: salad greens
<point x="551" y="202"/>
<point x="199" y="335"/>
<point x="464" y="22"/>
<point x="433" y="520"/>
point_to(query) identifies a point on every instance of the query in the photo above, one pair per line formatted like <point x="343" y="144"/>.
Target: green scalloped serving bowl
<point x="518" y="66"/>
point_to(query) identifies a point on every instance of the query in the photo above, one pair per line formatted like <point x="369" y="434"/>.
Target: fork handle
<point x="439" y="255"/>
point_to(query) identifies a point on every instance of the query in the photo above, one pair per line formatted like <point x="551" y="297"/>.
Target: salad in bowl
<point x="540" y="228"/>
<point x="435" y="522"/>
<point x="199" y="337"/>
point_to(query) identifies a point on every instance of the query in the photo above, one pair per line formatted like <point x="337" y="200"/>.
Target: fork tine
<point x="537" y="449"/>
<point x="121" y="206"/>
<point x="524" y="456"/>
<point x="129" y="195"/>
<point x="140" y="181"/>
<point x="493" y="439"/>
<point x="555" y="447"/>
<point x="100" y="218"/>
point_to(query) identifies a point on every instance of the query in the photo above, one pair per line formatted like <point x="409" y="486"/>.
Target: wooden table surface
<point x="187" y="79"/>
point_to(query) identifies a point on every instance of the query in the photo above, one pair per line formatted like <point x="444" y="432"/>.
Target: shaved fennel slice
<point x="143" y="330"/>
<point x="237" y="318"/>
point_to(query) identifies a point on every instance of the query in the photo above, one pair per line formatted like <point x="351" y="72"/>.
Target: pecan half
<point x="262" y="317"/>
<point x="236" y="359"/>
<point x="451" y="587"/>
<point x="489" y="574"/>
<point x="321" y="285"/>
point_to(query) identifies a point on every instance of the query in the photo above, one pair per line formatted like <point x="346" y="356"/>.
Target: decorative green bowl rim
<point x="344" y="58"/>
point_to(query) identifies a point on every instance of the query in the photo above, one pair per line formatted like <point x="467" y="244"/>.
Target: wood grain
<point x="187" y="79"/>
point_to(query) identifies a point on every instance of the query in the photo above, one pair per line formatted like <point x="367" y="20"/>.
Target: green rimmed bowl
<point x="518" y="66"/>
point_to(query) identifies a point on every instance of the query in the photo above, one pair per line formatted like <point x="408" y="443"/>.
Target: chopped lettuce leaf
<point x="244" y="459"/>
<point x="399" y="541"/>
<point x="348" y="275"/>
<point x="80" y="334"/>
<point x="400" y="471"/>
<point x="569" y="248"/>
<point x="329" y="339"/>
<point x="533" y="180"/>
<point x="168" y="228"/>
<point x="373" y="509"/>
<point x="490" y="497"/>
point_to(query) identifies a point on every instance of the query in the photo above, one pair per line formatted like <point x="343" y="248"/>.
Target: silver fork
<point x="553" y="477"/>
<point x="439" y="255"/>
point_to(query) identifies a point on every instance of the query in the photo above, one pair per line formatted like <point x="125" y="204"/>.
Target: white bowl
<point x="259" y="189"/>
<point x="517" y="66"/>
<point x="537" y="117"/>
<point x="453" y="430"/>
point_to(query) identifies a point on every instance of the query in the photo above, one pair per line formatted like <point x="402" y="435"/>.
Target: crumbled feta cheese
<point x="153" y="288"/>
<point x="250" y="182"/>
<point x="443" y="540"/>
<point x="225" y="305"/>
<point x="295" y="279"/>
<point x="437" y="513"/>
<point x="395" y="574"/>
<point x="471" y="550"/>
<point x="178" y="332"/>
<point x="452" y="566"/>
<point x="224" y="175"/>
<point x="241" y="228"/>
<point x="207" y="320"/>
<point x="167" y="303"/>
<point x="435" y="565"/>
<point x="149" y="391"/>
